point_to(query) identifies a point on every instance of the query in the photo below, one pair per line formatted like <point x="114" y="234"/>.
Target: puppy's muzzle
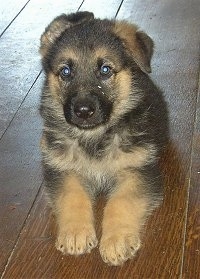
<point x="87" y="111"/>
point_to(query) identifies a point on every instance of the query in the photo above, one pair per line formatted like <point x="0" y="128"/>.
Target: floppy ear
<point x="59" y="25"/>
<point x="137" y="43"/>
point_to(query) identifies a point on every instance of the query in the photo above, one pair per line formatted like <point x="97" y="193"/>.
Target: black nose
<point x="84" y="109"/>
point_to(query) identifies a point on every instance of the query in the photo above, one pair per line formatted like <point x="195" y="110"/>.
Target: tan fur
<point x="51" y="33"/>
<point x="124" y="85"/>
<point x="42" y="142"/>
<point x="123" y="217"/>
<point x="53" y="81"/>
<point x="127" y="32"/>
<point x="68" y="53"/>
<point x="100" y="52"/>
<point x="76" y="233"/>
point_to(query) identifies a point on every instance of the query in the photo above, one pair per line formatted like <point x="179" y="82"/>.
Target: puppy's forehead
<point x="92" y="31"/>
<point x="93" y="38"/>
<point x="87" y="55"/>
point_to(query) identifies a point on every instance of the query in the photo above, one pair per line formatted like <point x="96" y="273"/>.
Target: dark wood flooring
<point x="171" y="242"/>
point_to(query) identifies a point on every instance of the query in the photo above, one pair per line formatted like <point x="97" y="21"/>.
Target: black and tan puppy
<point x="104" y="126"/>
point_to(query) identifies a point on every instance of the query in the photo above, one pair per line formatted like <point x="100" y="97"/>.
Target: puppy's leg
<point x="76" y="233"/>
<point x="124" y="215"/>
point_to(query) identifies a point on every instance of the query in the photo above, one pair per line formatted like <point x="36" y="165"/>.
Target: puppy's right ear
<point x="59" y="25"/>
<point x="137" y="43"/>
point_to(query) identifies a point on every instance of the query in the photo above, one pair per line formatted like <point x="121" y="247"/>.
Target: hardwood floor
<point x="171" y="241"/>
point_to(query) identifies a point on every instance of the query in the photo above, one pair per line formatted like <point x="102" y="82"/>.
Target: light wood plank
<point x="102" y="9"/>
<point x="19" y="58"/>
<point x="8" y="11"/>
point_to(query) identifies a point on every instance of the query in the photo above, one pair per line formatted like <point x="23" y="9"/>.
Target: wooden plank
<point x="102" y="9"/>
<point x="191" y="263"/>
<point x="19" y="63"/>
<point x="20" y="171"/>
<point x="176" y="68"/>
<point x="8" y="11"/>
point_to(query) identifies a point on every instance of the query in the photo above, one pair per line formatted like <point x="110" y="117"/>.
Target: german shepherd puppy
<point x="105" y="123"/>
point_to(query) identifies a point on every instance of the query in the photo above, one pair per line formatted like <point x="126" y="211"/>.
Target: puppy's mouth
<point x="87" y="112"/>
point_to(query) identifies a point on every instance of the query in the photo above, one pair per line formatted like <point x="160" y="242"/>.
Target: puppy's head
<point x="92" y="67"/>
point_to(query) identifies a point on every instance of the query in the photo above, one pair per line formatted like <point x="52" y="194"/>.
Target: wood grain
<point x="169" y="250"/>
<point x="20" y="172"/>
<point x="191" y="262"/>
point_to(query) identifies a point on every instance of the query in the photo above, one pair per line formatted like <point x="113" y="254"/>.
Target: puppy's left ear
<point x="54" y="30"/>
<point x="137" y="43"/>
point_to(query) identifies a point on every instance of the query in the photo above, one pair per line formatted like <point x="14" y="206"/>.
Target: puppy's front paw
<point x="76" y="239"/>
<point x="118" y="247"/>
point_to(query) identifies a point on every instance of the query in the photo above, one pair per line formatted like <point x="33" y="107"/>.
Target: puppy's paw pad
<point x="117" y="249"/>
<point x="76" y="241"/>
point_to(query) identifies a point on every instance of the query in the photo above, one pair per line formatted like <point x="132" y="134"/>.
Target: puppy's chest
<point x="95" y="158"/>
<point x="101" y="163"/>
<point x="109" y="161"/>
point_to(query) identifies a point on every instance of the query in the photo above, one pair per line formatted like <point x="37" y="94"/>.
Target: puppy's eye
<point x="105" y="70"/>
<point x="65" y="72"/>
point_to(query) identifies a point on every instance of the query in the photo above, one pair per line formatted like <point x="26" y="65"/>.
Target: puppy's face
<point x="89" y="65"/>
<point x="85" y="76"/>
